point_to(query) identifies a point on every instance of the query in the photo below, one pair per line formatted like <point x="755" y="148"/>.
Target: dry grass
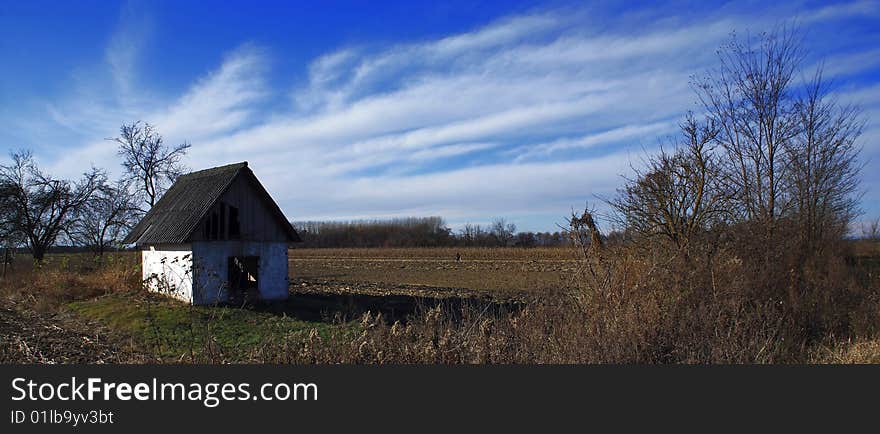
<point x="851" y="352"/>
<point x="63" y="278"/>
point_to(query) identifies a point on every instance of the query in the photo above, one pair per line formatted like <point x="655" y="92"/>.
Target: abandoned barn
<point x="215" y="236"/>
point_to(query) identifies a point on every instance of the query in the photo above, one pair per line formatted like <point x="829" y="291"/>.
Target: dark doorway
<point x="244" y="272"/>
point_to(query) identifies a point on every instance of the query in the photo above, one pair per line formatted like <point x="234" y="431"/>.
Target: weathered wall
<point x="211" y="268"/>
<point x="257" y="221"/>
<point x="168" y="270"/>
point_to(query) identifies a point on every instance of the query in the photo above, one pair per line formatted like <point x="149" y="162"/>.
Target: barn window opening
<point x="243" y="273"/>
<point x="234" y="225"/>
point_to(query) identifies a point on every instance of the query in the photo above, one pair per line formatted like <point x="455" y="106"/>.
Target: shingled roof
<point x="175" y="216"/>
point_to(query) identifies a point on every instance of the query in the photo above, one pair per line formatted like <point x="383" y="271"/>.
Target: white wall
<point x="198" y="272"/>
<point x="168" y="270"/>
<point x="212" y="262"/>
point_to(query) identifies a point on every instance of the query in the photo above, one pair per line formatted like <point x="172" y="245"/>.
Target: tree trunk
<point x="39" y="252"/>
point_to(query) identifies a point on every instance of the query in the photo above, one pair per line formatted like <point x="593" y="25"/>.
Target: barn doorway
<point x="244" y="273"/>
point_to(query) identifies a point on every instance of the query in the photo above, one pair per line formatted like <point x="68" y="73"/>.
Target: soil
<point x="28" y="336"/>
<point x="378" y="289"/>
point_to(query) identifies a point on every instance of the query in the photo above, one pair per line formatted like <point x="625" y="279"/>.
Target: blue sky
<point x="347" y="110"/>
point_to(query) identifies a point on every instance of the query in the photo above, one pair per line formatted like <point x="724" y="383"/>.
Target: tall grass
<point x="63" y="278"/>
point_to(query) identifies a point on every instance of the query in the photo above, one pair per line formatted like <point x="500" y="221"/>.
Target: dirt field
<point x="500" y="271"/>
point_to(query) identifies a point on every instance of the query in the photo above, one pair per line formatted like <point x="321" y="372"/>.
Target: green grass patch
<point x="174" y="330"/>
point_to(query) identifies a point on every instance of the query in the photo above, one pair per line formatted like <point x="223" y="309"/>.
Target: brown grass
<point x="63" y="278"/>
<point x="851" y="352"/>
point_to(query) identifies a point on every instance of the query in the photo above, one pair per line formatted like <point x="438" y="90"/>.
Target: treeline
<point x="419" y="232"/>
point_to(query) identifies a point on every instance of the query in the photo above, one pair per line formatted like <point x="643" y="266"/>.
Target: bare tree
<point x="823" y="181"/>
<point x="37" y="207"/>
<point x="789" y="149"/>
<point x="468" y="234"/>
<point x="749" y="98"/>
<point x="147" y="161"/>
<point x="789" y="154"/>
<point x="678" y="194"/>
<point x="105" y="218"/>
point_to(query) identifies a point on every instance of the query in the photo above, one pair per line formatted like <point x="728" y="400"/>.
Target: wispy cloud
<point x="222" y="101"/>
<point x="123" y="52"/>
<point x="615" y="135"/>
<point x="841" y="10"/>
<point x="528" y="115"/>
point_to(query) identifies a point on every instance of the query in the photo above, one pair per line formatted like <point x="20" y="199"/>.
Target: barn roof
<point x="175" y="216"/>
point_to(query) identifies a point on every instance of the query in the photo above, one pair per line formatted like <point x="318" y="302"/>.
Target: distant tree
<point x="397" y="232"/>
<point x="416" y="232"/>
<point x="469" y="234"/>
<point x="150" y="164"/>
<point x="526" y="239"/>
<point x="503" y="231"/>
<point x="38" y="208"/>
<point x="551" y="239"/>
<point x="106" y="217"/>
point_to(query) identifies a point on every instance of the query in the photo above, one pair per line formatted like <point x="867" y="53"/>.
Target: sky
<point x="355" y="110"/>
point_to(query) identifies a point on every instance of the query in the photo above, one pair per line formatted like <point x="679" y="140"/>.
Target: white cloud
<point x="123" y="51"/>
<point x="546" y="187"/>
<point x="222" y="101"/>
<point x="487" y="122"/>
<point x="841" y="10"/>
<point x="615" y="135"/>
